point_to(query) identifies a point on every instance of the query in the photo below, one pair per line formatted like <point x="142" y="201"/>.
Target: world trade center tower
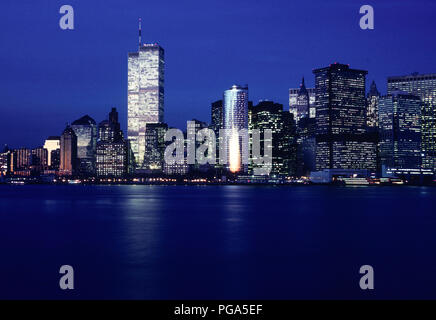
<point x="145" y="94"/>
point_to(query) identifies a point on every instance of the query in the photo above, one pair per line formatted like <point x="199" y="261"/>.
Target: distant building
<point x="423" y="86"/>
<point x="68" y="152"/>
<point x="85" y="129"/>
<point x="342" y="140"/>
<point x="302" y="102"/>
<point x="55" y="156"/>
<point x="5" y="161"/>
<point x="269" y="115"/>
<point x="400" y="130"/>
<point x="235" y="118"/>
<point x="145" y="94"/>
<point x="114" y="157"/>
<point x="217" y="123"/>
<point x="51" y="143"/>
<point x="372" y="101"/>
<point x="38" y="160"/>
<point x="217" y="116"/>
<point x="306" y="141"/>
<point x="154" y="147"/>
<point x="20" y="161"/>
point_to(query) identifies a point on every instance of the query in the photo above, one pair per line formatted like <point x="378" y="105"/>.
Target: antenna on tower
<point x="140" y="33"/>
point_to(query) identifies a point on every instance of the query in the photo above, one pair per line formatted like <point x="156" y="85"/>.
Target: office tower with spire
<point x="114" y="156"/>
<point x="424" y="87"/>
<point x="302" y="101"/>
<point x="372" y="101"/>
<point x="145" y="93"/>
<point x="85" y="129"/>
<point x="68" y="152"/>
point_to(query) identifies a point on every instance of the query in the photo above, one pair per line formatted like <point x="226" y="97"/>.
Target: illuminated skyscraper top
<point x="145" y="93"/>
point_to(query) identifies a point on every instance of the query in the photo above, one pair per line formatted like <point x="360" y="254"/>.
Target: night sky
<point x="50" y="76"/>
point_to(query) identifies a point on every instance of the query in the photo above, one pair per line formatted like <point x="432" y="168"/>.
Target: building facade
<point x="342" y="140"/>
<point x="114" y="157"/>
<point x="154" y="147"/>
<point x="372" y="101"/>
<point x="235" y="118"/>
<point x="51" y="143"/>
<point x="400" y="131"/>
<point x="302" y="102"/>
<point x="85" y="129"/>
<point x="68" y="152"/>
<point x="423" y="86"/>
<point x="267" y="115"/>
<point x="145" y="94"/>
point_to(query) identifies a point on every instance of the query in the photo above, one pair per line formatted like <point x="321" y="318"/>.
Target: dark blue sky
<point x="50" y="77"/>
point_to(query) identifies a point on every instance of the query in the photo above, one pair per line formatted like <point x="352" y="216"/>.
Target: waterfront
<point x="217" y="242"/>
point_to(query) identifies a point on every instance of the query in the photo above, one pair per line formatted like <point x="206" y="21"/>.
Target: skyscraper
<point x="423" y="86"/>
<point x="235" y="118"/>
<point x="302" y="102"/>
<point x="400" y="130"/>
<point x="372" y="101"/>
<point x="68" y="152"/>
<point x="342" y="141"/>
<point x="267" y="115"/>
<point x="154" y="147"/>
<point x="114" y="157"/>
<point x="85" y="129"/>
<point x="217" y="121"/>
<point x="145" y="94"/>
<point x="20" y="160"/>
<point x="51" y="143"/>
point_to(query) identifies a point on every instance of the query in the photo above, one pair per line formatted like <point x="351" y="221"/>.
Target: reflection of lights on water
<point x="234" y="157"/>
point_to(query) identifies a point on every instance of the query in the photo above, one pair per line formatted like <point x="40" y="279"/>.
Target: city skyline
<point x="87" y="85"/>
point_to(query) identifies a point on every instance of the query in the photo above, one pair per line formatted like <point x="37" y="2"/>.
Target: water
<point x="217" y="242"/>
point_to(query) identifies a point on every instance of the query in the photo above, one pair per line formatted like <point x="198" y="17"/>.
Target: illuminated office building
<point x="372" y="101"/>
<point x="114" y="157"/>
<point x="85" y="129"/>
<point x="342" y="141"/>
<point x="20" y="160"/>
<point x="52" y="143"/>
<point x="145" y="94"/>
<point x="302" y="102"/>
<point x="267" y="115"/>
<point x="235" y="118"/>
<point x="154" y="147"/>
<point x="38" y="160"/>
<point x="68" y="152"/>
<point x="5" y="161"/>
<point x="423" y="86"/>
<point x="400" y="130"/>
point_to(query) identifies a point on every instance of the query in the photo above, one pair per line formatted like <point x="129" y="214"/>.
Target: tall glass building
<point x="145" y="94"/>
<point x="235" y="118"/>
<point x="400" y="131"/>
<point x="423" y="86"/>
<point x="85" y="129"/>
<point x="342" y="141"/>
